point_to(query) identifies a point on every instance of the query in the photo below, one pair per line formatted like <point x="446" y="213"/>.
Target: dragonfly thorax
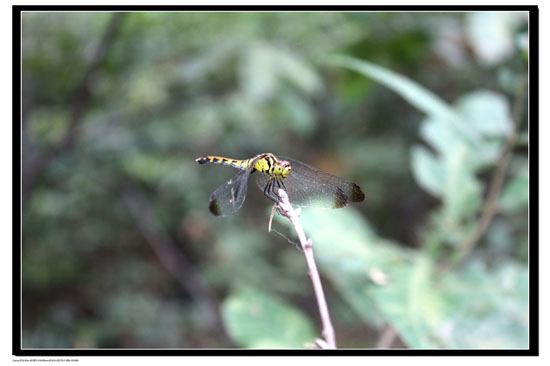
<point x="273" y="167"/>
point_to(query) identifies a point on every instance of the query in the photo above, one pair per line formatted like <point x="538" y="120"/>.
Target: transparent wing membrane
<point x="229" y="197"/>
<point x="310" y="187"/>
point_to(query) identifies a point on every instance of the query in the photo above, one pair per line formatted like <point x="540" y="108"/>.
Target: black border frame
<point x="533" y="150"/>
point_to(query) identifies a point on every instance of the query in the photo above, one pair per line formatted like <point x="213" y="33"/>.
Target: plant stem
<point x="490" y="207"/>
<point x="286" y="209"/>
<point x="388" y="336"/>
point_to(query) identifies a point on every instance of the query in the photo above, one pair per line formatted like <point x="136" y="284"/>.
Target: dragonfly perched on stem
<point x="305" y="185"/>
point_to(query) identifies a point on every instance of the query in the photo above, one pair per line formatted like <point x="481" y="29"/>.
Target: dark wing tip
<point x="215" y="208"/>
<point x="202" y="160"/>
<point x="357" y="194"/>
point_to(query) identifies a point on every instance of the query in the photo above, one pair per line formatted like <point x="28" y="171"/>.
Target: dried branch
<point x="388" y="336"/>
<point x="490" y="206"/>
<point x="286" y="209"/>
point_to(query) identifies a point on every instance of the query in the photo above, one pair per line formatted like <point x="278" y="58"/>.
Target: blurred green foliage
<point x="119" y="249"/>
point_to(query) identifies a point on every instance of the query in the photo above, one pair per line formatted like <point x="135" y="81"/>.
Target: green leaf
<point x="515" y="195"/>
<point x="255" y="319"/>
<point x="523" y="138"/>
<point x="48" y="125"/>
<point x="486" y="111"/>
<point x="384" y="283"/>
<point x="352" y="257"/>
<point x="467" y="308"/>
<point x="149" y="167"/>
<point x="258" y="73"/>
<point x="412" y="305"/>
<point x="451" y="178"/>
<point x="491" y="34"/>
<point x="298" y="72"/>
<point x="462" y="194"/>
<point x="486" y="117"/>
<point x="299" y="112"/>
<point x="264" y="67"/>
<point x="428" y="171"/>
<point x="489" y="308"/>
<point x="439" y="134"/>
<point x="412" y="92"/>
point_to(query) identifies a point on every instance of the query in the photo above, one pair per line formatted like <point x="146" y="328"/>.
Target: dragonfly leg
<point x="283" y="183"/>
<point x="280" y="184"/>
<point x="268" y="191"/>
<point x="266" y="188"/>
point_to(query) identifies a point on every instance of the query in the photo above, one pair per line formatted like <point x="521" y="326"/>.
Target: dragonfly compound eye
<point x="284" y="168"/>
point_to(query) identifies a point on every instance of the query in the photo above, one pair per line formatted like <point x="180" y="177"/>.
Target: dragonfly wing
<point x="310" y="187"/>
<point x="229" y="197"/>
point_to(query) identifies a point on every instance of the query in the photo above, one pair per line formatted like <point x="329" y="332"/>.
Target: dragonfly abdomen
<point x="239" y="164"/>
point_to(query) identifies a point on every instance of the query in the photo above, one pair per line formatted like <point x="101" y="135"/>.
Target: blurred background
<point x="425" y="111"/>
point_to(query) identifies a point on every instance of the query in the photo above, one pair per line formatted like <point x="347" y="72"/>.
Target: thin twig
<point x="286" y="209"/>
<point x="490" y="207"/>
<point x="271" y="217"/>
<point x="387" y="338"/>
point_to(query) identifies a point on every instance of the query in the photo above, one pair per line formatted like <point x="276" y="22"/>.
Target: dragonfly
<point x="304" y="185"/>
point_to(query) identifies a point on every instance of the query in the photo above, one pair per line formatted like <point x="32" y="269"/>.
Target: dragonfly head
<point x="282" y="168"/>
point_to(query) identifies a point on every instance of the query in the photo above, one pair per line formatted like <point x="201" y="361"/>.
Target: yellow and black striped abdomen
<point x="239" y="164"/>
